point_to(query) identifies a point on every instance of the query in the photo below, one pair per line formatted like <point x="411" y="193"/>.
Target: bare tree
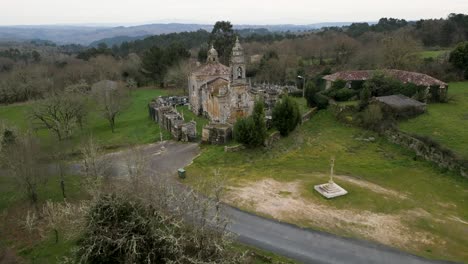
<point x="177" y="75"/>
<point x="23" y="160"/>
<point x="60" y="113"/>
<point x="112" y="98"/>
<point x="93" y="165"/>
<point x="400" y="51"/>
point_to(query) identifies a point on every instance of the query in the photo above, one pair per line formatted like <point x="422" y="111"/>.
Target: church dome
<point x="212" y="55"/>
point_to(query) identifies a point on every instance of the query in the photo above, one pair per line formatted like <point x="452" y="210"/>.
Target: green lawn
<point x="306" y="153"/>
<point x="133" y="125"/>
<point x="432" y="53"/>
<point x="447" y="123"/>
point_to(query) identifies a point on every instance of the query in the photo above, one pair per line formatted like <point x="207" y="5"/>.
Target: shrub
<point x="381" y="85"/>
<point x="297" y="93"/>
<point x="344" y="94"/>
<point x="260" y="128"/>
<point x="310" y="92"/>
<point x="364" y="97"/>
<point x="252" y="131"/>
<point x="372" y="116"/>
<point x="321" y="101"/>
<point x="286" y="116"/>
<point x="120" y="229"/>
<point x="338" y="84"/>
<point x="243" y="130"/>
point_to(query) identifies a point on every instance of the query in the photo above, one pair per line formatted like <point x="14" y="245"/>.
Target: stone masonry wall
<point x="428" y="151"/>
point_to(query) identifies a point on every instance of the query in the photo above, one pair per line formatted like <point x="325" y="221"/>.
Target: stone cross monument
<point x="330" y="189"/>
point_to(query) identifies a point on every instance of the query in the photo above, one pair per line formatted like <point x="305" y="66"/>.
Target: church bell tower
<point x="238" y="66"/>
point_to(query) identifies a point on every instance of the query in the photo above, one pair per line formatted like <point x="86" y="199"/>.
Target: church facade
<point x="220" y="92"/>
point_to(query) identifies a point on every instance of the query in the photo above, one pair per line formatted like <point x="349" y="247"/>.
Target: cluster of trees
<point x="16" y="55"/>
<point x="459" y="58"/>
<point x="252" y="131"/>
<point x="443" y="32"/>
<point x="157" y="61"/>
<point x="64" y="111"/>
<point x="34" y="81"/>
<point x="384" y="25"/>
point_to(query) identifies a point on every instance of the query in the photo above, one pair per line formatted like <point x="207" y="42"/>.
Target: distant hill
<point x="92" y="35"/>
<point x="116" y="40"/>
<point x="87" y="35"/>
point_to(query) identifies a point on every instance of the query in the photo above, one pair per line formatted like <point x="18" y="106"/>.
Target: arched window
<point x="239" y="73"/>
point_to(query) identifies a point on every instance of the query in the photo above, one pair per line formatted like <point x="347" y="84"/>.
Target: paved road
<point x="304" y="245"/>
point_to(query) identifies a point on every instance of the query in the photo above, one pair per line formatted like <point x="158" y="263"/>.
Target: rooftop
<point x="399" y="101"/>
<point x="419" y="79"/>
<point x="211" y="69"/>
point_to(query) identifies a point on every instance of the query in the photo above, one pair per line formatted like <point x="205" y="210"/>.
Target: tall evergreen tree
<point x="223" y="38"/>
<point x="286" y="116"/>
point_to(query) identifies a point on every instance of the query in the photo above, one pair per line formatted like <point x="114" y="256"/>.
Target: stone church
<point x="219" y="92"/>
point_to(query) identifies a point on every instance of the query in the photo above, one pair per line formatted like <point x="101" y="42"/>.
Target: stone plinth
<point x="330" y="190"/>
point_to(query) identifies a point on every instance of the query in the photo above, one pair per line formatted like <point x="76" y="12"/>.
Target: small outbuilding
<point x="400" y="105"/>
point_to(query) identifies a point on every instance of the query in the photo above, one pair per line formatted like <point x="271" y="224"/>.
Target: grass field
<point x="14" y="207"/>
<point x="132" y="126"/>
<point x="446" y="123"/>
<point x="433" y="54"/>
<point x="393" y="198"/>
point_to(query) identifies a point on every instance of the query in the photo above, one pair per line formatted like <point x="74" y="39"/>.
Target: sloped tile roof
<point x="211" y="69"/>
<point x="419" y="79"/>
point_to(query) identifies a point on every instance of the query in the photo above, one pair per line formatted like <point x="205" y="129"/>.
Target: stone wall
<point x="217" y="134"/>
<point x="308" y="115"/>
<point x="272" y="138"/>
<point x="161" y="111"/>
<point x="431" y="152"/>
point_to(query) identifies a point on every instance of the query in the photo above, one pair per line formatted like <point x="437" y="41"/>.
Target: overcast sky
<point x="125" y="12"/>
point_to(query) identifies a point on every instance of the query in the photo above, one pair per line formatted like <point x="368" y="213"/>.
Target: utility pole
<point x="303" y="85"/>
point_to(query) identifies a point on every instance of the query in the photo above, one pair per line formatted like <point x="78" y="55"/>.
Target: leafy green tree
<point x="286" y="116"/>
<point x="203" y="53"/>
<point x="156" y="61"/>
<point x="243" y="131"/>
<point x="260" y="129"/>
<point x="252" y="131"/>
<point x="311" y="90"/>
<point x="223" y="38"/>
<point x="459" y="58"/>
<point x="364" y="97"/>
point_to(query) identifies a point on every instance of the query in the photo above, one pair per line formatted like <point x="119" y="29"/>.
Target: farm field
<point x="445" y="122"/>
<point x="393" y="198"/>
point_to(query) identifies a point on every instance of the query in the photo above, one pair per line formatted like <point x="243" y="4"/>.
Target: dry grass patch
<point x="268" y="197"/>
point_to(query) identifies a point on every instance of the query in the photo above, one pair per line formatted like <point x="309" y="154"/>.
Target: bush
<point x="345" y="94"/>
<point x="120" y="229"/>
<point x="286" y="116"/>
<point x="381" y="85"/>
<point x="372" y="116"/>
<point x="243" y="131"/>
<point x="297" y="93"/>
<point x="338" y="84"/>
<point x="321" y="101"/>
<point x="364" y="97"/>
<point x="310" y="92"/>
<point x="252" y="131"/>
